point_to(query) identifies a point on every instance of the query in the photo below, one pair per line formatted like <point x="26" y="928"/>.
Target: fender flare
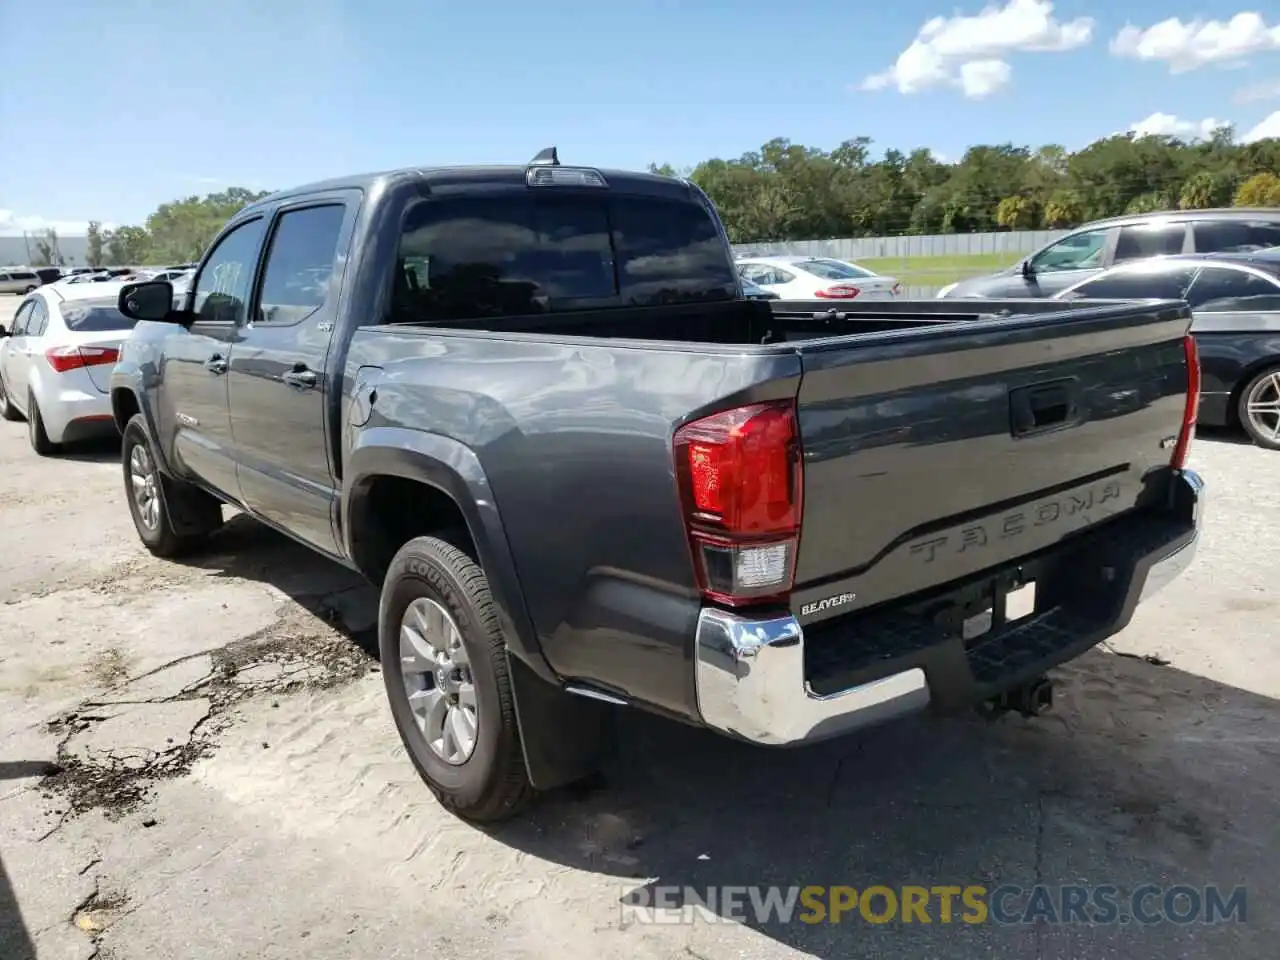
<point x="128" y="378"/>
<point x="455" y="470"/>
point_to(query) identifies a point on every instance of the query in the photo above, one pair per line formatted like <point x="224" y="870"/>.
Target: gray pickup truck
<point x="531" y="403"/>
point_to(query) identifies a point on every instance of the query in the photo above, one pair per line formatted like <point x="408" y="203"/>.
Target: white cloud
<point x="1267" y="90"/>
<point x="968" y="51"/>
<point x="14" y="225"/>
<point x="1168" y="125"/>
<point x="981" y="78"/>
<point x="1269" y="127"/>
<point x="1198" y="43"/>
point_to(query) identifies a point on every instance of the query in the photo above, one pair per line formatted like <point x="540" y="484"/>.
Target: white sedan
<point x="56" y="361"/>
<point x="817" y="278"/>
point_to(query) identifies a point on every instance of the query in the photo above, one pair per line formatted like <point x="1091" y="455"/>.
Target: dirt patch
<point x="109" y="668"/>
<point x="115" y="748"/>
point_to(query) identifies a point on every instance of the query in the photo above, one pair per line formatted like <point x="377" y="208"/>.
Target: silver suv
<point x="18" y="281"/>
<point x="1096" y="246"/>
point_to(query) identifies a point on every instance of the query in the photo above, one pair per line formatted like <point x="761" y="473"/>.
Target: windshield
<point x="834" y="270"/>
<point x="95" y="316"/>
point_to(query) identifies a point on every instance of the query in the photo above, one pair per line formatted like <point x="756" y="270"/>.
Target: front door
<point x="195" y="419"/>
<point x="278" y="385"/>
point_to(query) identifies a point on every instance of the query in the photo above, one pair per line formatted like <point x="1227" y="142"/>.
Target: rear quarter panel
<point x="574" y="440"/>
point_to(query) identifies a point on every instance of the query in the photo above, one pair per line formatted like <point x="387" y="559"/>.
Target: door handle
<point x="300" y="377"/>
<point x="216" y="364"/>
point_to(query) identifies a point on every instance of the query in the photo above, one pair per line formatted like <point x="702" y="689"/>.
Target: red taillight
<point x="741" y="478"/>
<point x="63" y="359"/>
<point x="841" y="291"/>
<point x="1189" y="413"/>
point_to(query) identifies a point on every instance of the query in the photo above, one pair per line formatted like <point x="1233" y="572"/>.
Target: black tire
<point x="1267" y="382"/>
<point x="27" y="291"/>
<point x="492" y="783"/>
<point x="36" y="432"/>
<point x="7" y="410"/>
<point x="184" y="514"/>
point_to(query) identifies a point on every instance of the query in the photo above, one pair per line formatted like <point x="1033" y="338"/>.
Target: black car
<point x="1235" y="304"/>
<point x="1100" y="245"/>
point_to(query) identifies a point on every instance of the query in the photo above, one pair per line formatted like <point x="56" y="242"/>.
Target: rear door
<point x="278" y="386"/>
<point x="27" y="349"/>
<point x="920" y="467"/>
<point x="193" y="400"/>
<point x="13" y="356"/>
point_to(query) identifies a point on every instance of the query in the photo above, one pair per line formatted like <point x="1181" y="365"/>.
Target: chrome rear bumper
<point x="750" y="672"/>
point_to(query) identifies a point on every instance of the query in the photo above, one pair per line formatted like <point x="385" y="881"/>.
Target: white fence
<point x="1012" y="242"/>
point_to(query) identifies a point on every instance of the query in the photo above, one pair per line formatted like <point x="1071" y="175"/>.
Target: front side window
<point x="222" y="288"/>
<point x="1149" y="240"/>
<point x="19" y="328"/>
<point x="300" y="264"/>
<point x="1220" y="289"/>
<point x="1137" y="285"/>
<point x="1080" y="251"/>
<point x="495" y="257"/>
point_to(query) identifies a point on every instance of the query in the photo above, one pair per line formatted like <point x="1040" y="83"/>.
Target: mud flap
<point x="565" y="737"/>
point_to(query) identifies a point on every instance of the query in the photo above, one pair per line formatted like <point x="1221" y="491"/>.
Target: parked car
<point x="1097" y="246"/>
<point x="20" y="282"/>
<point x="574" y="459"/>
<point x="753" y="292"/>
<point x="1235" y="309"/>
<point x="817" y="278"/>
<point x="55" y="364"/>
<point x="48" y="274"/>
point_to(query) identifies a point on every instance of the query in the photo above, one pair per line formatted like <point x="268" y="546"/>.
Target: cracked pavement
<point x="196" y="762"/>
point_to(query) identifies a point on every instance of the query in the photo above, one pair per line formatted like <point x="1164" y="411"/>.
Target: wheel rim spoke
<point x="436" y="675"/>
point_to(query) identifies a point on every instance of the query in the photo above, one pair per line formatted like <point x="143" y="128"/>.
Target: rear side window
<point x="296" y="279"/>
<point x="1234" y="236"/>
<point x="1220" y="289"/>
<point x="1137" y="285"/>
<point x="39" y="319"/>
<point x="22" y="275"/>
<point x="95" y="316"/>
<point x="494" y="257"/>
<point x="1143" y="240"/>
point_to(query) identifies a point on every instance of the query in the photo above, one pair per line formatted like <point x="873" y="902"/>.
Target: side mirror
<point x="4" y="331"/>
<point x="1027" y="269"/>
<point x="148" y="300"/>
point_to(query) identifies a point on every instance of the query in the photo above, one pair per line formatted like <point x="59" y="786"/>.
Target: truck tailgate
<point x="931" y="455"/>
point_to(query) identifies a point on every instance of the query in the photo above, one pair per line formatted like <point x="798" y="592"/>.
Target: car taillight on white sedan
<point x="841" y="291"/>
<point x="63" y="359"/>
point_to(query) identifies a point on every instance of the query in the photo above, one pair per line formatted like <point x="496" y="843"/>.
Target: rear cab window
<point x="487" y="257"/>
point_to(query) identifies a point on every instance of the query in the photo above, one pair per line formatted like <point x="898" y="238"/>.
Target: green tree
<point x="1260" y="190"/>
<point x="127" y="246"/>
<point x="1016" y="213"/>
<point x="94" y="244"/>
<point x="1064" y="209"/>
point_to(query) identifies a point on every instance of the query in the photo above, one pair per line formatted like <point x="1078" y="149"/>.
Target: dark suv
<point x="1104" y="243"/>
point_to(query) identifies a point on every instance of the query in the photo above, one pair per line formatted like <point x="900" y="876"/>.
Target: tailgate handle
<point x="1042" y="407"/>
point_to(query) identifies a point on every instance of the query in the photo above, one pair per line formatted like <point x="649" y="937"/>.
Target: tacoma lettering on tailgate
<point x="975" y="536"/>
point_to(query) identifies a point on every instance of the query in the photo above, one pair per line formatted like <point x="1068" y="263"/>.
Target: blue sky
<point x="162" y="100"/>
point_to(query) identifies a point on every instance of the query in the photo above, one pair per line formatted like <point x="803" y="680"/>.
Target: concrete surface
<point x="196" y="762"/>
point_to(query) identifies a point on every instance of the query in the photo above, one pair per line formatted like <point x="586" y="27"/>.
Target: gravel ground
<point x="196" y="762"/>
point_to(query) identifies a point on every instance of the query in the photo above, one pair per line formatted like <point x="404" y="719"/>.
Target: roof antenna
<point x="546" y="158"/>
